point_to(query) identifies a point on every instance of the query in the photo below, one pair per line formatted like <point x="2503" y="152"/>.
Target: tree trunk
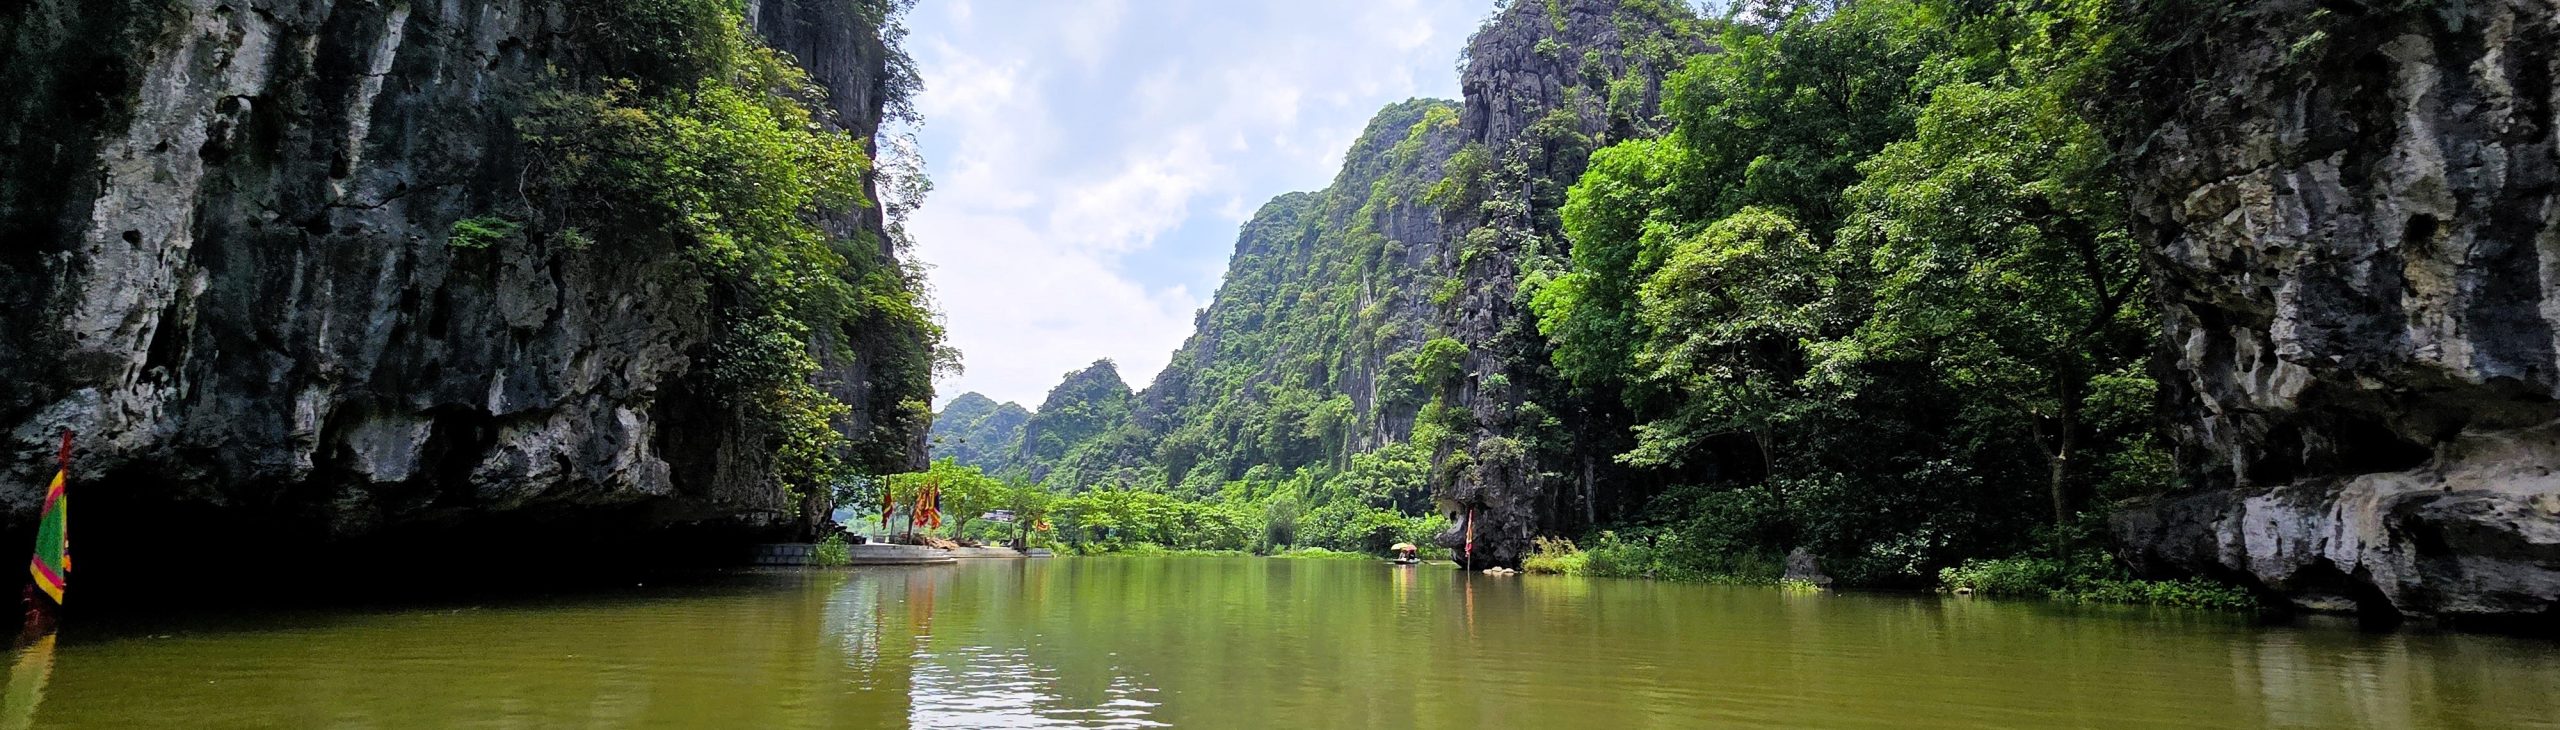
<point x="1590" y="495"/>
<point x="1769" y="468"/>
<point x="2060" y="476"/>
<point x="2065" y="437"/>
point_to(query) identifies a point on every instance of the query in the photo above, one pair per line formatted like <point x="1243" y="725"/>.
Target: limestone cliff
<point x="1305" y="356"/>
<point x="1087" y="409"/>
<point x="1546" y="84"/>
<point x="1320" y="343"/>
<point x="2354" y="210"/>
<point x="977" y="431"/>
<point x="227" y="267"/>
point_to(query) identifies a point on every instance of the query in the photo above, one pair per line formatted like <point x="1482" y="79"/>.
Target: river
<point x="1246" y="642"/>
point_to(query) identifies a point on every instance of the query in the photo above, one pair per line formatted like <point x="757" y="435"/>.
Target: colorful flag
<point x="1471" y="537"/>
<point x="888" y="505"/>
<point x="52" y="563"/>
<point x="931" y="503"/>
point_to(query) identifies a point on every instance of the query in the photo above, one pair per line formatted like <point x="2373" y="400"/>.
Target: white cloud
<point x="1148" y="196"/>
<point x="1072" y="143"/>
<point x="1087" y="34"/>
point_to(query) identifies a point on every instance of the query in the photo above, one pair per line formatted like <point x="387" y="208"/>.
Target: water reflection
<point x="1132" y="643"/>
<point x="27" y="678"/>
<point x="946" y="679"/>
<point x="979" y="686"/>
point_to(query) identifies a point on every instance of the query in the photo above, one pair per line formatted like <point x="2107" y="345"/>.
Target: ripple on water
<point x="989" y="687"/>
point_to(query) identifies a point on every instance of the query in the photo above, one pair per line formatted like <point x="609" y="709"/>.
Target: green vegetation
<point x="1327" y="335"/>
<point x="479" y="232"/>
<point x="2089" y="578"/>
<point x="1874" y="294"/>
<point x="1147" y="550"/>
<point x="962" y="493"/>
<point x="1659" y="554"/>
<point x="1860" y="283"/>
<point x="695" y="138"/>
<point x="977" y="431"/>
<point x="834" y="552"/>
<point x="1555" y="556"/>
<point x="1069" y="431"/>
<point x="1317" y="553"/>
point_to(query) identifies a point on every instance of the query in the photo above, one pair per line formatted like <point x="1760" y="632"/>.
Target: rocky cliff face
<point x="1314" y="348"/>
<point x="229" y="272"/>
<point x="1326" y="300"/>
<point x="1546" y="84"/>
<point x="2355" y="214"/>
<point x="1305" y="355"/>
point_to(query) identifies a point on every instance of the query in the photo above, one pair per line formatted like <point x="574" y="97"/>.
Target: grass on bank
<point x="1317" y="553"/>
<point x="1659" y="557"/>
<point x="1142" y="550"/>
<point x="834" y="552"/>
<point x="1149" y="549"/>
<point x="2089" y="576"/>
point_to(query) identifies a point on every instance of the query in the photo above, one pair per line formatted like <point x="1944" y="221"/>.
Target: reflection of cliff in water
<point x="980" y="664"/>
<point x="1246" y="642"/>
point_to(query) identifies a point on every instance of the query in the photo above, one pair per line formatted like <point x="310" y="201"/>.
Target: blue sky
<point x="1093" y="159"/>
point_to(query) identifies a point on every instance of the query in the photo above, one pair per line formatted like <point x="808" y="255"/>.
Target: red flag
<point x="1471" y="536"/>
<point x="937" y="505"/>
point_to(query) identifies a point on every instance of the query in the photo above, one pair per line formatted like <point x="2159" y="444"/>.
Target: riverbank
<point x="1151" y="550"/>
<point x="2087" y="577"/>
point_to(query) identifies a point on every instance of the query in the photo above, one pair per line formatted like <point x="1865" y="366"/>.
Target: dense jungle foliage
<point x="697" y="135"/>
<point x="1874" y="294"/>
<point x="1863" y="287"/>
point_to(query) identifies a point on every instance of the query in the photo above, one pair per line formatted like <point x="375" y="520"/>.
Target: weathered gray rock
<point x="2355" y="217"/>
<point x="1531" y="61"/>
<point x="227" y="269"/>
<point x="1803" y="566"/>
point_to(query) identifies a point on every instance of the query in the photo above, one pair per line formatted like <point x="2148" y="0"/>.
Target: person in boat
<point x="1404" y="552"/>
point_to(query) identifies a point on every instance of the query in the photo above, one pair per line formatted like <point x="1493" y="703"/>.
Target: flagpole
<point x="1471" y="538"/>
<point x="49" y="578"/>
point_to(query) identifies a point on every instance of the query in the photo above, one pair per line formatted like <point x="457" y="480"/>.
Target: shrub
<point x="1554" y="556"/>
<point x="1657" y="554"/>
<point x="834" y="552"/>
<point x="479" y="232"/>
<point x="1317" y="553"/>
<point x="2089" y="577"/>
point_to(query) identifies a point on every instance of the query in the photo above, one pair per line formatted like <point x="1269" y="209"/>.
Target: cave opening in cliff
<point x="2367" y="446"/>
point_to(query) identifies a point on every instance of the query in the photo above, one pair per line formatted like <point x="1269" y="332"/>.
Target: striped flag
<point x="1471" y="537"/>
<point x="933" y="505"/>
<point x="51" y="565"/>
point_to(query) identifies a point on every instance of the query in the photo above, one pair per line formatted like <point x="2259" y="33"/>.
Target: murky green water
<point x="1213" y="643"/>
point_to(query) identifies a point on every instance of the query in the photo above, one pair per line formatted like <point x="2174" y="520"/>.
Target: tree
<point x="2004" y="261"/>
<point x="967" y="494"/>
<point x="964" y="492"/>
<point x="1031" y="504"/>
<point x="1728" y="316"/>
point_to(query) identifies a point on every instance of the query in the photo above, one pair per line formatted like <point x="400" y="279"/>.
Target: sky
<point x="1092" y="160"/>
